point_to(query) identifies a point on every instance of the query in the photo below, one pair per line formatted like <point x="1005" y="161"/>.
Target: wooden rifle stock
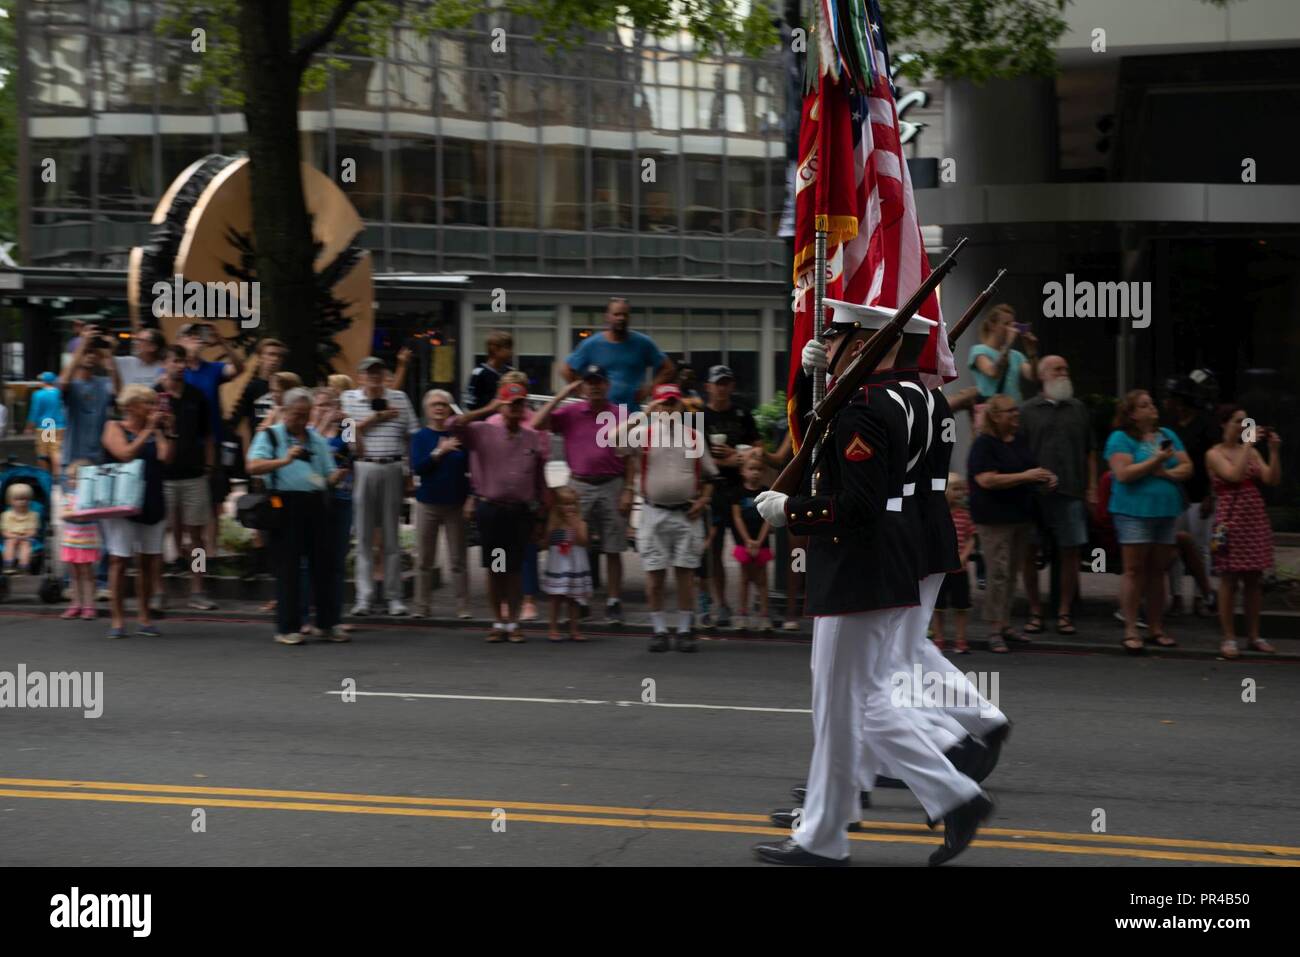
<point x="973" y="310"/>
<point x="856" y="375"/>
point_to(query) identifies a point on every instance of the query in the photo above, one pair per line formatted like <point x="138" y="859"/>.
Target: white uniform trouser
<point x="851" y="686"/>
<point x="947" y="725"/>
<point x="377" y="491"/>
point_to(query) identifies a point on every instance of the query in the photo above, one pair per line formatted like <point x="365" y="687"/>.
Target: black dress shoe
<point x="659" y="642"/>
<point x="800" y="793"/>
<point x="785" y="819"/>
<point x="959" y="827"/>
<point x="992" y="750"/>
<point x="788" y="852"/>
<point x="686" y="641"/>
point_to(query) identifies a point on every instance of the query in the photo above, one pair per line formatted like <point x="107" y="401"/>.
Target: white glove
<point x="771" y="505"/>
<point x="813" y="358"/>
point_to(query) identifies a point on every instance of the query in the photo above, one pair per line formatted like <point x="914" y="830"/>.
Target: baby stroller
<point x="38" y="480"/>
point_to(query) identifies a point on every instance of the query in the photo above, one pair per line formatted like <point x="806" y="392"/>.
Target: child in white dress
<point x="568" y="573"/>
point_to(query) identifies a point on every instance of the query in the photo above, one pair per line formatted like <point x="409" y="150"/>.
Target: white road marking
<point x="621" y="704"/>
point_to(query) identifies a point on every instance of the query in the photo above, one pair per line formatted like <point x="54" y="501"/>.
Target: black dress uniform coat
<point x="859" y="556"/>
<point x="940" y="534"/>
<point x="913" y="400"/>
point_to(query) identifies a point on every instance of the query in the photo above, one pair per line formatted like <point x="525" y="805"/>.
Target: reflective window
<point x="367" y="150"/>
<point x="67" y="164"/>
<point x="464" y="182"/>
<point x="564" y="187"/>
<point x="126" y="172"/>
<point x="414" y="184"/>
<point x="58" y="63"/>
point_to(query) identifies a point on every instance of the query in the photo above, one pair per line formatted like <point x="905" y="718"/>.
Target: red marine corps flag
<point x="857" y="176"/>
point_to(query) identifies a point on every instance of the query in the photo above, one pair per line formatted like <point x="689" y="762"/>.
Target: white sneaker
<point x="291" y="639"/>
<point x="360" y="610"/>
<point x="396" y="609"/>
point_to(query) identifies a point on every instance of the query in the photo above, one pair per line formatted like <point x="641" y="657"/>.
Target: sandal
<point x="1259" y="644"/>
<point x="1034" y="626"/>
<point x="496" y="635"/>
<point x="516" y="637"/>
<point x="1065" y="625"/>
<point x="1132" y="644"/>
<point x="578" y="637"/>
<point x="961" y="647"/>
<point x="1163" y="640"/>
<point x="555" y="636"/>
<point x="998" y="645"/>
<point x="1011" y="635"/>
<point x="1228" y="648"/>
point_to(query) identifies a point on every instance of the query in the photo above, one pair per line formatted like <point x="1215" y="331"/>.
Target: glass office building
<point x="634" y="165"/>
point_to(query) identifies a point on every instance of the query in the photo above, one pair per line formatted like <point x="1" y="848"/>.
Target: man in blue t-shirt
<point x="208" y="377"/>
<point x="625" y="355"/>
<point x="87" y="396"/>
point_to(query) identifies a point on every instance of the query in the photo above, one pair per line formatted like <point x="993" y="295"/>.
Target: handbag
<point x="262" y="510"/>
<point x="1219" y="532"/>
<point x="115" y="490"/>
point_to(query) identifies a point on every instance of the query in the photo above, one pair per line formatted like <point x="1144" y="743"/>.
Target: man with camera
<point x="382" y="422"/>
<point x="89" y="383"/>
<point x="207" y="376"/>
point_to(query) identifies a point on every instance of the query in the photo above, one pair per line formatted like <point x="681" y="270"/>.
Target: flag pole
<point x="819" y="322"/>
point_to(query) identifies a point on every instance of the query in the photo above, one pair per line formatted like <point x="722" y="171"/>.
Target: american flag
<point x="884" y="261"/>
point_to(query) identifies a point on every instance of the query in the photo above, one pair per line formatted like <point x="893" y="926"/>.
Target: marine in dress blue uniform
<point x="863" y="573"/>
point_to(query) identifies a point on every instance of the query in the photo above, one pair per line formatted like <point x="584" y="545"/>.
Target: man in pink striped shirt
<point x="507" y="464"/>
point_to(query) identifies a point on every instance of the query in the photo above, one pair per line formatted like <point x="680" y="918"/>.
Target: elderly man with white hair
<point x="297" y="465"/>
<point x="442" y="466"/>
<point x="1058" y="428"/>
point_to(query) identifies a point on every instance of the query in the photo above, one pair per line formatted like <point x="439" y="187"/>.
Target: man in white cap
<point x="382" y="424"/>
<point x="856" y="525"/>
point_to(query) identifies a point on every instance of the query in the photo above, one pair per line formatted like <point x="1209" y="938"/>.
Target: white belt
<point x="894" y="505"/>
<point x="938" y="485"/>
<point x="909" y="489"/>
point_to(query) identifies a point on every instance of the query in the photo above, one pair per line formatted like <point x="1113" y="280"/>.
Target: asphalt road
<point x="214" y="716"/>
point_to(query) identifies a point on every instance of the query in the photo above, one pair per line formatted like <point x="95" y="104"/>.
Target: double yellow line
<point x="719" y="822"/>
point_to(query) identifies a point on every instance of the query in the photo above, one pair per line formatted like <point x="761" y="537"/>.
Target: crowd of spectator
<point x="1173" y="491"/>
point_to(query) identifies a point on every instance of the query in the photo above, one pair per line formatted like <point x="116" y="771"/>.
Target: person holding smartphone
<point x="185" y="482"/>
<point x="208" y="376"/>
<point x="1149" y="463"/>
<point x="997" y="366"/>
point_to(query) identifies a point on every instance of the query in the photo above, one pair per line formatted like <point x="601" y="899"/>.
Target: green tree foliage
<point x="976" y="40"/>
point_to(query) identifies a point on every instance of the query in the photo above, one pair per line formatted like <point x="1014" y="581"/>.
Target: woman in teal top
<point x="996" y="366"/>
<point x="1145" y="501"/>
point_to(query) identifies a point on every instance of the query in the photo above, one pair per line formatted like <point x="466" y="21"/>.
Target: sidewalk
<point x="1098" y="630"/>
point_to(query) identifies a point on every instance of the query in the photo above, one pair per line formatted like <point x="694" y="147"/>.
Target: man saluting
<point x="862" y="576"/>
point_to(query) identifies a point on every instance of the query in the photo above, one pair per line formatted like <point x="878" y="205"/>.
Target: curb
<point x="383" y="622"/>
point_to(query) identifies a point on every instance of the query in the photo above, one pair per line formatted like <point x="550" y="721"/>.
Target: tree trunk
<point x="281" y="226"/>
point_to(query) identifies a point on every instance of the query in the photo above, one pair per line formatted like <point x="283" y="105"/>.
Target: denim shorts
<point x="1135" y="530"/>
<point x="1066" y="518"/>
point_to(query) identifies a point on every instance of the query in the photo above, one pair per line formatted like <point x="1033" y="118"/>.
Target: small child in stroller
<point x="19" y="525"/>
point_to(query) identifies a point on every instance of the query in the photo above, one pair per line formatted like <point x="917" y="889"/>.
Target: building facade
<point x="626" y="161"/>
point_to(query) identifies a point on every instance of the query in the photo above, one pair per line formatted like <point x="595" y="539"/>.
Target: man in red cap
<point x="676" y="472"/>
<point x="507" y="462"/>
